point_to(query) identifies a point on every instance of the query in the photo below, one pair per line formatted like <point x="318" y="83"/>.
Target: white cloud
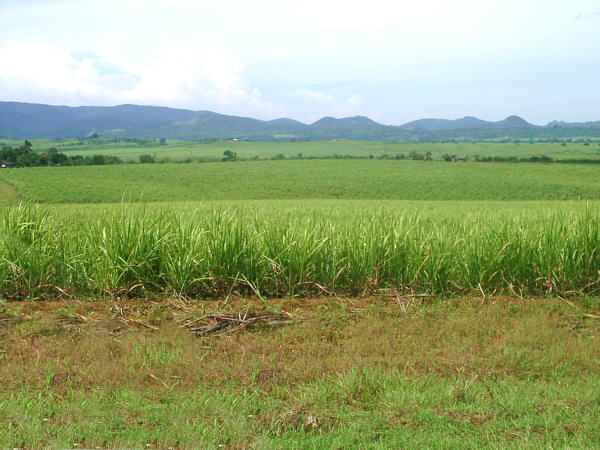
<point x="256" y="99"/>
<point x="354" y="100"/>
<point x="316" y="96"/>
<point x="43" y="68"/>
<point x="324" y="103"/>
<point x="591" y="15"/>
<point x="181" y="77"/>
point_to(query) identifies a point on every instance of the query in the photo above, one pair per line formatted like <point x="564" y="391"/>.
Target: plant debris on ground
<point x="391" y="371"/>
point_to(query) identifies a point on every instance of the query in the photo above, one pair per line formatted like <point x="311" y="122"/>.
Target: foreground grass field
<point x="468" y="373"/>
<point x="346" y="179"/>
<point x="300" y="249"/>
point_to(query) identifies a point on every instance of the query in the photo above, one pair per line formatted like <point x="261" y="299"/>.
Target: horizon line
<point x="299" y="121"/>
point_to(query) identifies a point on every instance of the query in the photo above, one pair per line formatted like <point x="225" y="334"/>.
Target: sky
<point x="393" y="61"/>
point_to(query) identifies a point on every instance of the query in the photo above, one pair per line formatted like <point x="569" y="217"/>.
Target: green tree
<point x="56" y="158"/>
<point x="26" y="147"/>
<point x="228" y="155"/>
<point x="147" y="159"/>
<point x="28" y="160"/>
<point x="97" y="160"/>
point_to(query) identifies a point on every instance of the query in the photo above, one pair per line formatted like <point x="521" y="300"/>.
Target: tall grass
<point x="210" y="252"/>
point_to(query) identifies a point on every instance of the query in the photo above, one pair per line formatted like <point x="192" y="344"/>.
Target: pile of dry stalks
<point x="219" y="323"/>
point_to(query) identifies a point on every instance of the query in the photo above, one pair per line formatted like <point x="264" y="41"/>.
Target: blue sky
<point x="392" y="61"/>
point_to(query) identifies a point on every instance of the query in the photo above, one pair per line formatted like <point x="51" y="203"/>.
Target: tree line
<point x="24" y="156"/>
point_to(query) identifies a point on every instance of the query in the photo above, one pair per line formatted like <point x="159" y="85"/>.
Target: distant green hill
<point x="30" y="120"/>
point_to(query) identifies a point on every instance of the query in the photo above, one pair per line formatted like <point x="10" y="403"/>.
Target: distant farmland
<point x="184" y="150"/>
<point x="305" y="179"/>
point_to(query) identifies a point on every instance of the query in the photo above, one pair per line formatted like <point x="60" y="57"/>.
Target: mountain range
<point x="32" y="120"/>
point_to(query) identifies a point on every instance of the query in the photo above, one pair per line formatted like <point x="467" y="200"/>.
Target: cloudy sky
<point x="393" y="61"/>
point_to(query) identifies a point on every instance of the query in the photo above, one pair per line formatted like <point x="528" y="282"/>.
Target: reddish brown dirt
<point x="237" y="303"/>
